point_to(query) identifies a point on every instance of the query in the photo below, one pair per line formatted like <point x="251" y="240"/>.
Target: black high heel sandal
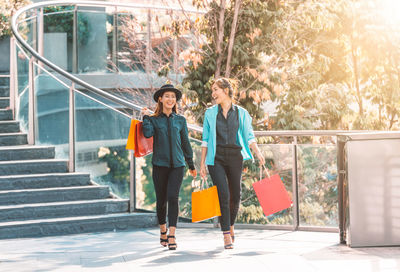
<point x="163" y="240"/>
<point x="228" y="246"/>
<point x="172" y="246"/>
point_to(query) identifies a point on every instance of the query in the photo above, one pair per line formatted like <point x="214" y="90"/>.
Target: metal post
<point x="341" y="167"/>
<point x="13" y="75"/>
<point x="132" y="183"/>
<point x="71" y="164"/>
<point x="40" y="41"/>
<point x="296" y="217"/>
<point x="148" y="45"/>
<point x="75" y="41"/>
<point x="35" y="32"/>
<point x="115" y="39"/>
<point x="31" y="104"/>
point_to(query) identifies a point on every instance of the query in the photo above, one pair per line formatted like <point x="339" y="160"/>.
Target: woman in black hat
<point x="171" y="148"/>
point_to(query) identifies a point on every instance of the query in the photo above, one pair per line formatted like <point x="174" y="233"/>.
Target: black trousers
<point x="226" y="174"/>
<point x="167" y="183"/>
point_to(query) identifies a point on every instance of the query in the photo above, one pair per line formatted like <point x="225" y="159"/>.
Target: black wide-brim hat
<point x="167" y="88"/>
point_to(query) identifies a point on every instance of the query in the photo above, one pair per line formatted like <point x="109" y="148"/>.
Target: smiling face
<point x="219" y="94"/>
<point x="168" y="99"/>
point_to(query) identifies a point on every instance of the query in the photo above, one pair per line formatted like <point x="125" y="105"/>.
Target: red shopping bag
<point x="143" y="145"/>
<point x="272" y="195"/>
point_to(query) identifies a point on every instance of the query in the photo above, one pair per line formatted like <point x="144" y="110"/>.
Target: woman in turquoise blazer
<point x="227" y="139"/>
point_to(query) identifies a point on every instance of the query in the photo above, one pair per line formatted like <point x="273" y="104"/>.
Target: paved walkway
<point x="199" y="249"/>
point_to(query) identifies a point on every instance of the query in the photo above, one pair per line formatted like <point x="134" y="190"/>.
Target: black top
<point x="171" y="146"/>
<point x="227" y="128"/>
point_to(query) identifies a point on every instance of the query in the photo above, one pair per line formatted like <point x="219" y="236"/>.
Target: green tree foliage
<point x="327" y="64"/>
<point x="7" y="10"/>
<point x="251" y="41"/>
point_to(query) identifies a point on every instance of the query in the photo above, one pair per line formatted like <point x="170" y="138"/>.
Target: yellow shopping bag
<point x="205" y="203"/>
<point x="131" y="137"/>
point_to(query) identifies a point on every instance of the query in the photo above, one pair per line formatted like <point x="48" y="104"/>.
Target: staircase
<point x="38" y="197"/>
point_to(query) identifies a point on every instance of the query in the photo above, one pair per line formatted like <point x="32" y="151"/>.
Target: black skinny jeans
<point x="226" y="174"/>
<point x="167" y="183"/>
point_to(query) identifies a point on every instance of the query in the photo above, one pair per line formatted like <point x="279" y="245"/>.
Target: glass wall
<point x="279" y="160"/>
<point x="318" y="195"/>
<point x="52" y="112"/>
<point x="101" y="134"/>
<point x="22" y="75"/>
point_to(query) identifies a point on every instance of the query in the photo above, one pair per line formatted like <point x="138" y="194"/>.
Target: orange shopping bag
<point x="272" y="195"/>
<point x="143" y="145"/>
<point x="205" y="203"/>
<point x="130" y="144"/>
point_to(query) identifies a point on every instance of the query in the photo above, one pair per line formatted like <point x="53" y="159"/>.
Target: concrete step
<point x="8" y="168"/>
<point x="26" y="152"/>
<point x="5" y="114"/>
<point x="63" y="209"/>
<point x="16" y="197"/>
<point x="4" y="91"/>
<point x="74" y="225"/>
<point x="9" y="126"/>
<point x="4" y="102"/>
<point x="15" y="138"/>
<point x="37" y="181"/>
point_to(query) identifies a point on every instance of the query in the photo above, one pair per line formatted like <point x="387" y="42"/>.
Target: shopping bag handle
<point x="266" y="170"/>
<point x="202" y="182"/>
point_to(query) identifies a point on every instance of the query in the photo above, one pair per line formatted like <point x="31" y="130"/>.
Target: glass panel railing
<point x="145" y="195"/>
<point x="132" y="40"/>
<point x="317" y="172"/>
<point x="101" y="133"/>
<point x="52" y="112"/>
<point x="279" y="157"/>
<point x="58" y="36"/>
<point x="27" y="28"/>
<point x="22" y="75"/>
<point x="92" y="41"/>
<point x="279" y="160"/>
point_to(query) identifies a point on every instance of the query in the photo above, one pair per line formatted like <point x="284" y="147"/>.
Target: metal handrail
<point x="69" y="76"/>
<point x="75" y="81"/>
<point x="119" y="100"/>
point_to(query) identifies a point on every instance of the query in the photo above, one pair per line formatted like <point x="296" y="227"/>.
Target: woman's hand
<point x="193" y="172"/>
<point x="261" y="159"/>
<point x="203" y="171"/>
<point x="145" y="111"/>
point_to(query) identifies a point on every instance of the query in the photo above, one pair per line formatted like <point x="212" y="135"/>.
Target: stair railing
<point x="37" y="61"/>
<point x="35" y="52"/>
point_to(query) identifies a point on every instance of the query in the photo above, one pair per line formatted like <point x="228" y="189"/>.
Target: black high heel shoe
<point x="228" y="246"/>
<point x="171" y="246"/>
<point x="162" y="241"/>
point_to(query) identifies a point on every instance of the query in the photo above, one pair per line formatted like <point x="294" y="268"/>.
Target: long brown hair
<point x="227" y="83"/>
<point x="159" y="108"/>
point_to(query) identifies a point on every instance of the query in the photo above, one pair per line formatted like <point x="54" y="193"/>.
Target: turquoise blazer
<point x="245" y="134"/>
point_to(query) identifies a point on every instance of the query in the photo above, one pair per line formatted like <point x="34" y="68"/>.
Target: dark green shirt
<point x="171" y="146"/>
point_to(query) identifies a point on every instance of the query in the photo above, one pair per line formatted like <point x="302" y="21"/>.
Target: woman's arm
<point x="252" y="139"/>
<point x="204" y="146"/>
<point x="203" y="170"/>
<point x="257" y="152"/>
<point x="148" y="128"/>
<point x="186" y="147"/>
